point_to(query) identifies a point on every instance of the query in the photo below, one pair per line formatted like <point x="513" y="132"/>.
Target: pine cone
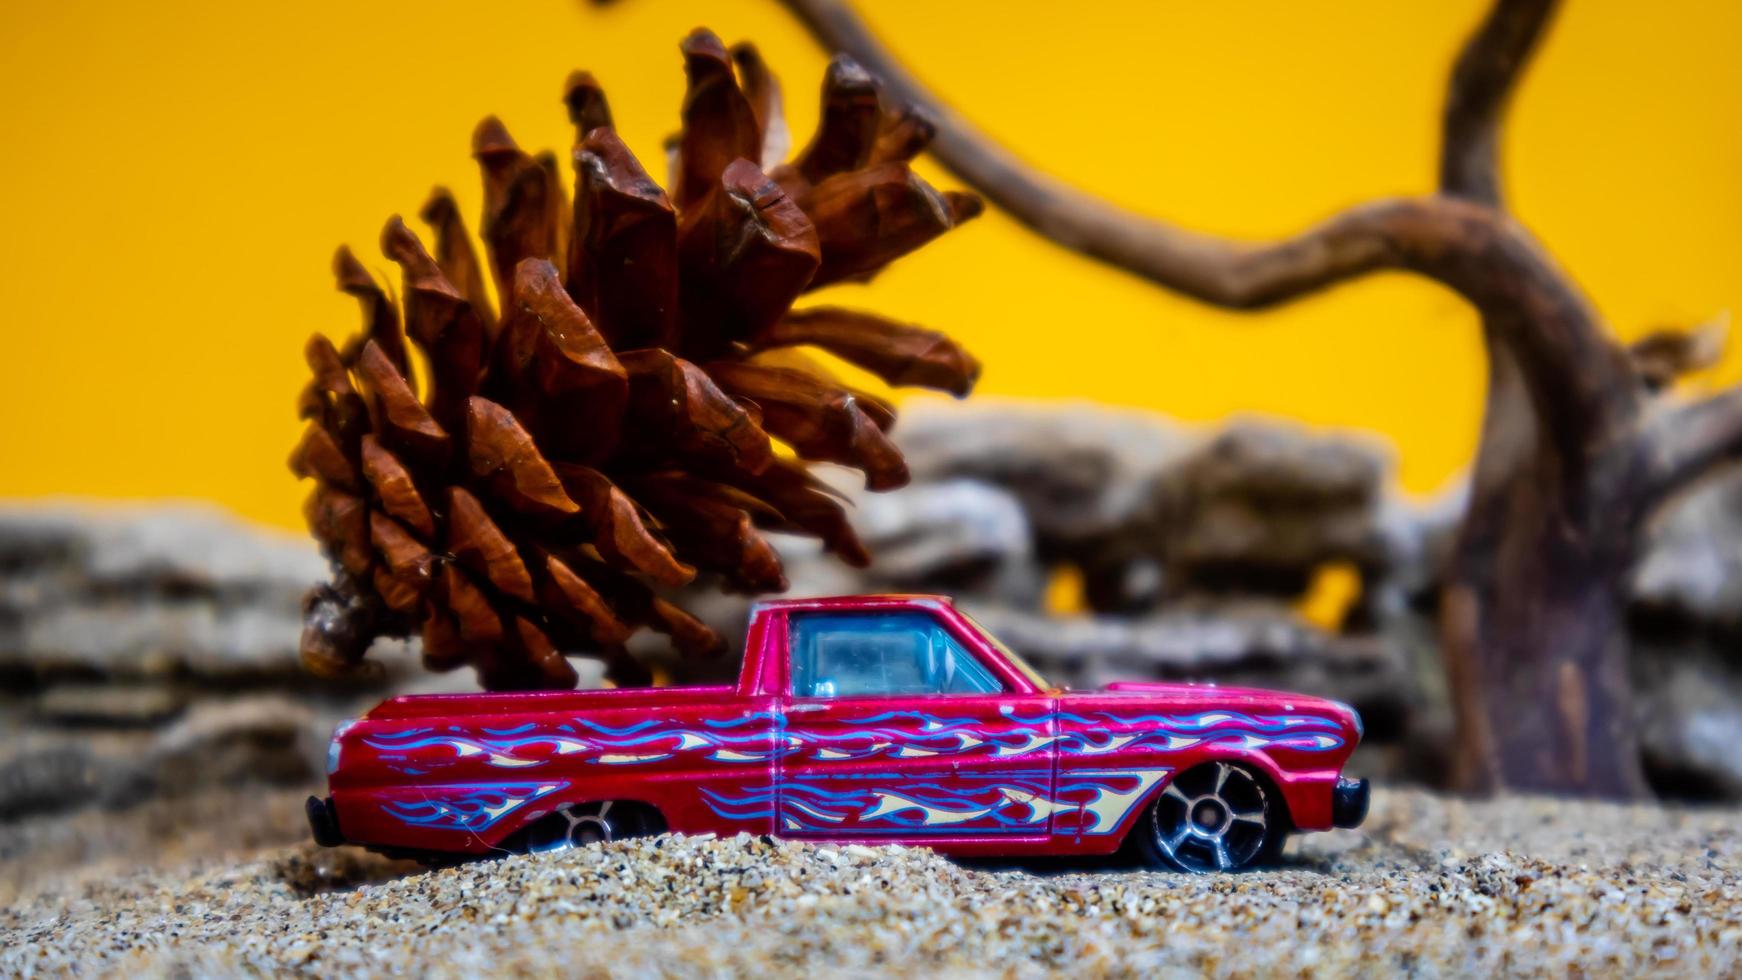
<point x="610" y="432"/>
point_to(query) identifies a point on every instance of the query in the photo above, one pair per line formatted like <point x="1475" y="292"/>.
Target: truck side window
<point x="857" y="654"/>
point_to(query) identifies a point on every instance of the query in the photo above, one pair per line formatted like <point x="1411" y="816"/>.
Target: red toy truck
<point x="871" y="719"/>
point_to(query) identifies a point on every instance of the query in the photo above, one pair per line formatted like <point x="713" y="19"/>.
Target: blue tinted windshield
<point x="861" y="654"/>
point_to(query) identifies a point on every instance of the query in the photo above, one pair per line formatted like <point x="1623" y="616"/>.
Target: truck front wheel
<point x="1216" y="817"/>
<point x="580" y="824"/>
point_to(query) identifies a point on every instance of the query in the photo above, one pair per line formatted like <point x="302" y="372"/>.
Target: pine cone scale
<point x="394" y="489"/>
<point x="455" y="258"/>
<point x="319" y="457"/>
<point x="868" y="218"/>
<point x="567" y="592"/>
<point x="522" y="211"/>
<point x="900" y="354"/>
<point x="502" y="455"/>
<point x="481" y="548"/>
<point x="718" y="124"/>
<point x="617" y="529"/>
<point x="380" y="316"/>
<point x="848" y="128"/>
<point x="623" y="253"/>
<point x="745" y="253"/>
<point x="398" y="416"/>
<point x="585" y="98"/>
<point x="762" y="90"/>
<point x="404" y="575"/>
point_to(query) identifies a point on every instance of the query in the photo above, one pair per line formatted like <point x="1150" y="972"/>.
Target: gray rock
<point x="1081" y="472"/>
<point x="184" y="547"/>
<point x="50" y="778"/>
<point x="255" y="739"/>
<point x="154" y="635"/>
<point x="1419" y="537"/>
<point x="138" y="642"/>
<point x="148" y="592"/>
<point x="1146" y="510"/>
<point x="1690" y="723"/>
<point x="959" y="536"/>
<point x="247" y="741"/>
<point x="1691" y="567"/>
<point x="1255" y="643"/>
<point x="109" y="705"/>
<point x="1259" y="507"/>
<point x="928" y="530"/>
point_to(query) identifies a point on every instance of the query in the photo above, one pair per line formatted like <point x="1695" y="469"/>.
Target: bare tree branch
<point x="1069" y="217"/>
<point x="1683" y="443"/>
<point x="1667" y="353"/>
<point x="1530" y="307"/>
<point x="1482" y="84"/>
<point x="1207" y="268"/>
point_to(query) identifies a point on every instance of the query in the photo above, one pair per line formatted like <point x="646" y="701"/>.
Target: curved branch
<point x="1214" y="270"/>
<point x="1682" y="444"/>
<point x="1076" y="220"/>
<point x="1483" y="80"/>
<point x="1534" y="310"/>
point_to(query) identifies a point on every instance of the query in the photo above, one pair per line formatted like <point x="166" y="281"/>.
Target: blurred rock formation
<point x="1197" y="552"/>
<point x="152" y="652"/>
<point x="1687" y="641"/>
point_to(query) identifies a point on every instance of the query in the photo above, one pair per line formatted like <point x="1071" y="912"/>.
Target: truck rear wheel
<point x="580" y="824"/>
<point x="1216" y="817"/>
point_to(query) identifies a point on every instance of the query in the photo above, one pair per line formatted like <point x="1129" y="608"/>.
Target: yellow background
<point x="175" y="175"/>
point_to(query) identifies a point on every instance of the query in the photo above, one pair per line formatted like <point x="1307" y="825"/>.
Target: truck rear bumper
<point x="324" y="821"/>
<point x="1349" y="801"/>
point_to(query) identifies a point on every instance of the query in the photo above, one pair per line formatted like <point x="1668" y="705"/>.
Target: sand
<point x="1431" y="886"/>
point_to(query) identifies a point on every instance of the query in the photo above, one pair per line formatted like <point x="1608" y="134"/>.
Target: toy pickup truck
<point x="871" y="719"/>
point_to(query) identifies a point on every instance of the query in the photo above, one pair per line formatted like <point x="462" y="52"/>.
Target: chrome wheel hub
<point x="1213" y="818"/>
<point x="582" y="825"/>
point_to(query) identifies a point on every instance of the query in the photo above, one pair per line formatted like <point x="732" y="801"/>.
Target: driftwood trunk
<point x="1575" y="449"/>
<point x="1532" y="614"/>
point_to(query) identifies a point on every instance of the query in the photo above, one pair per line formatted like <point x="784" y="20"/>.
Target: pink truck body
<point x="1023" y="771"/>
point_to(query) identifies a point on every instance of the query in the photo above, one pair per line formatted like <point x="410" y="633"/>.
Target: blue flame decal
<point x="1023" y="802"/>
<point x="474" y="807"/>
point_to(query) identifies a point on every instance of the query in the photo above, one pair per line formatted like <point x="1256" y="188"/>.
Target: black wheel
<point x="580" y="824"/>
<point x="1217" y="817"/>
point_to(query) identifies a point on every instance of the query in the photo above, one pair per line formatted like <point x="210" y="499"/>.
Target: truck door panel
<point x="895" y="728"/>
